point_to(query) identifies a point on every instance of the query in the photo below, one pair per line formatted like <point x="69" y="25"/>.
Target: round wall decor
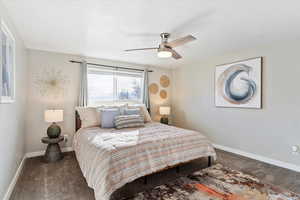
<point x="163" y="94"/>
<point x="164" y="81"/>
<point x="153" y="88"/>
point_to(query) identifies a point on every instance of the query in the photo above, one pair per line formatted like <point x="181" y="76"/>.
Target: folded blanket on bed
<point x="114" y="141"/>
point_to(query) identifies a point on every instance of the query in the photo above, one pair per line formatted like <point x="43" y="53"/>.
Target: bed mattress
<point x="110" y="158"/>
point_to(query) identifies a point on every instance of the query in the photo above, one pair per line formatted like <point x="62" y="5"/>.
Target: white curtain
<point x="146" y="99"/>
<point x="83" y="94"/>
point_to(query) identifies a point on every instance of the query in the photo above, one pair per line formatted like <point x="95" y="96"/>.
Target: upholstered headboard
<point x="77" y="121"/>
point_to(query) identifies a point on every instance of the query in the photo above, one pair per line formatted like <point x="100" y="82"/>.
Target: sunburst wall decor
<point x="52" y="83"/>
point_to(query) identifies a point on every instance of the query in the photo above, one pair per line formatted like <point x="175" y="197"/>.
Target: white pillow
<point x="144" y="111"/>
<point x="121" y="107"/>
<point x="89" y="116"/>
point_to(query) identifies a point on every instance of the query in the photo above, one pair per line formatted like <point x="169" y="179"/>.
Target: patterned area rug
<point x="216" y="183"/>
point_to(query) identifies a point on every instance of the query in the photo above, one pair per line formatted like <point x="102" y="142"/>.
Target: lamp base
<point x="53" y="130"/>
<point x="164" y="120"/>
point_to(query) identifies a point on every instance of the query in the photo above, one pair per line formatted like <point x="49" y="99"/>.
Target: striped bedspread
<point x="110" y="158"/>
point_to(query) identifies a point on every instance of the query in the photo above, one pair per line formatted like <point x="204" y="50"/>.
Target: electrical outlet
<point x="295" y="150"/>
<point x="66" y="138"/>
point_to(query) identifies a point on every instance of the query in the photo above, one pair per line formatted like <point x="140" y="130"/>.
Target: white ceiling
<point x="104" y="28"/>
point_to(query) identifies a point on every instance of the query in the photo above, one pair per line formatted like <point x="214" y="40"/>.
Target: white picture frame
<point x="7" y="64"/>
<point x="239" y="84"/>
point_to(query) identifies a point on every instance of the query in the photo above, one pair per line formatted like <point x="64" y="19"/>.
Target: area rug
<point x="216" y="183"/>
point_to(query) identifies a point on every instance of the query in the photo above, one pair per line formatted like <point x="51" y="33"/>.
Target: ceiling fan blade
<point x="181" y="41"/>
<point x="175" y="54"/>
<point x="141" y="49"/>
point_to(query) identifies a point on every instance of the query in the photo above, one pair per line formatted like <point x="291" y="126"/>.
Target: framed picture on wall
<point x="238" y="84"/>
<point x="7" y="67"/>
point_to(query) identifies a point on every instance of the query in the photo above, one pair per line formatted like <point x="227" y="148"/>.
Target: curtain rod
<point x="141" y="70"/>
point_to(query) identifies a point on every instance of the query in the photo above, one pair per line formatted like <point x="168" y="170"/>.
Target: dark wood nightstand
<point x="53" y="152"/>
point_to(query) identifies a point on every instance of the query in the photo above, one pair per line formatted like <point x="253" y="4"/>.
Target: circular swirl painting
<point x="239" y="84"/>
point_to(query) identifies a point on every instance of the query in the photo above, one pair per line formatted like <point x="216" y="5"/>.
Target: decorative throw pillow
<point x="89" y="116"/>
<point x="129" y="121"/>
<point x="122" y="107"/>
<point x="132" y="111"/>
<point x="108" y="117"/>
<point x="144" y="111"/>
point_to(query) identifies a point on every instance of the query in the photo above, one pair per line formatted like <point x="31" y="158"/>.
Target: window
<point x="7" y="56"/>
<point x="106" y="85"/>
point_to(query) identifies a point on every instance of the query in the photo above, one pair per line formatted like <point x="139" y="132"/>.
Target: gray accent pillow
<point x="108" y="117"/>
<point x="144" y="111"/>
<point x="129" y="121"/>
<point x="132" y="111"/>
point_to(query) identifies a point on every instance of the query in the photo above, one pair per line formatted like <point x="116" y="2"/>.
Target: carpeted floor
<point x="64" y="181"/>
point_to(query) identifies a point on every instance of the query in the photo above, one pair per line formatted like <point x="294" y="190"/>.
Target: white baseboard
<point x="260" y="158"/>
<point x="40" y="153"/>
<point x="17" y="174"/>
<point x="14" y="180"/>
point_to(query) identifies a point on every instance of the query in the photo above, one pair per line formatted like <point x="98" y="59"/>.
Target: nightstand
<point x="53" y="152"/>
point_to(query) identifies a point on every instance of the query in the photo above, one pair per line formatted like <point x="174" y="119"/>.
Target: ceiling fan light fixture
<point x="164" y="53"/>
<point x="165" y="48"/>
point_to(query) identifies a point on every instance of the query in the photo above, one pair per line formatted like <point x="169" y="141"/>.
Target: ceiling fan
<point x="165" y="48"/>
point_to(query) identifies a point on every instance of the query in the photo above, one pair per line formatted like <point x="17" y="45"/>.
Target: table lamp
<point x="165" y="112"/>
<point x="54" y="116"/>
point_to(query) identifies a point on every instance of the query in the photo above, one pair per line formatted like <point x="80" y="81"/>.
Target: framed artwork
<point x="7" y="67"/>
<point x="238" y="84"/>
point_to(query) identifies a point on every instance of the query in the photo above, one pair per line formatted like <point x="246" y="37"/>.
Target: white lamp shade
<point x="54" y="115"/>
<point x="164" y="110"/>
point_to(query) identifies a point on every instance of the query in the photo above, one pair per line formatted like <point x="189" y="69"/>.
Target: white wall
<point x="12" y="126"/>
<point x="41" y="61"/>
<point x="268" y="132"/>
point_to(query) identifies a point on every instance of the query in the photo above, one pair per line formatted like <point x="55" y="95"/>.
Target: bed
<point x="110" y="158"/>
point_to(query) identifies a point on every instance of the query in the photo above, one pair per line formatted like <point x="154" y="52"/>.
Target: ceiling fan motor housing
<point x="164" y="37"/>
